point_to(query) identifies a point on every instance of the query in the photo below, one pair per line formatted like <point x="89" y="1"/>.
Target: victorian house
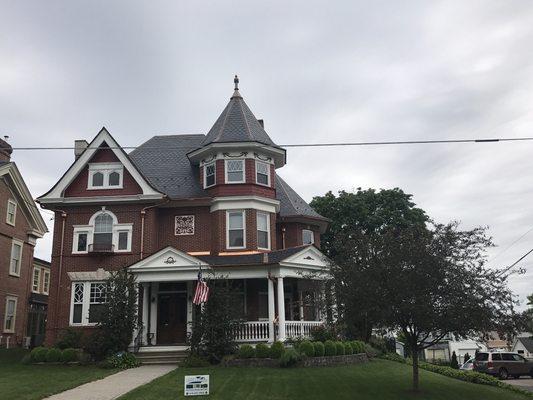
<point x="175" y="205"/>
<point x="23" y="294"/>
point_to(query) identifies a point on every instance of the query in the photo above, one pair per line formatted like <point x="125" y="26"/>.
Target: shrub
<point x="246" y="351"/>
<point x="358" y="347"/>
<point x="322" y="333"/>
<point x="70" y="338"/>
<point x="193" y="361"/>
<point x="96" y="345"/>
<point x="38" y="354"/>
<point x="370" y="351"/>
<point x="329" y="348"/>
<point x="122" y="361"/>
<point x="276" y="350"/>
<point x="53" y="355"/>
<point x="306" y="347"/>
<point x="393" y="357"/>
<point x="381" y="344"/>
<point x="319" y="349"/>
<point x="348" y="348"/>
<point x="289" y="358"/>
<point x="262" y="351"/>
<point x="69" y="355"/>
<point x="340" y="348"/>
<point x="454" y="364"/>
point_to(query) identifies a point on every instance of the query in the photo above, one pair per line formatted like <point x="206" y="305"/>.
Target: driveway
<point x="523" y="382"/>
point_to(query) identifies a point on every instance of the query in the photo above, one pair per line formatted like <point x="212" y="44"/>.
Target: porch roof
<point x="272" y="257"/>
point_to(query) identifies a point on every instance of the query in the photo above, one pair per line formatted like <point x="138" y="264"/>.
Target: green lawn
<point x="29" y="382"/>
<point x="377" y="380"/>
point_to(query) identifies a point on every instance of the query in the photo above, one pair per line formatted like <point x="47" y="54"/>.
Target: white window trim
<point x="21" y="244"/>
<point x="10" y="201"/>
<point x="85" y="305"/>
<point x="15" y="299"/>
<point x="312" y="236"/>
<point x="38" y="271"/>
<point x="243" y="171"/>
<point x="243" y="212"/>
<point x="267" y="215"/>
<point x="105" y="169"/>
<point x="214" y="164"/>
<point x="46" y="288"/>
<point x="268" y="173"/>
<point x="89" y="229"/>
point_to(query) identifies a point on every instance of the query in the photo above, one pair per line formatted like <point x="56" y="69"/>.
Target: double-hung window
<point x="105" y="176"/>
<point x="263" y="231"/>
<point x="209" y="174"/>
<point x="88" y="298"/>
<point x="235" y="230"/>
<point x="10" y="315"/>
<point x="235" y="171"/>
<point x="262" y="173"/>
<point x="36" y="280"/>
<point x="308" y="236"/>
<point x="11" y="212"/>
<point x="46" y="281"/>
<point x="16" y="257"/>
<point x="103" y="232"/>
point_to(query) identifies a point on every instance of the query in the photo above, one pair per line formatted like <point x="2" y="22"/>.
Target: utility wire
<point x="324" y="144"/>
<point x="516" y="262"/>
<point x="511" y="245"/>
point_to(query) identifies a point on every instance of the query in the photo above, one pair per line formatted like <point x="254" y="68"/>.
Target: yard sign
<point x="196" y="385"/>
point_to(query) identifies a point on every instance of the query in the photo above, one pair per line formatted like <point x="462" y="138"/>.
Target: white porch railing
<point x="257" y="331"/>
<point x="252" y="331"/>
<point x="296" y="329"/>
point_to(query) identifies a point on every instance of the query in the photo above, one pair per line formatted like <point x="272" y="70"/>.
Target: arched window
<point x="98" y="179"/>
<point x="114" y="179"/>
<point x="103" y="232"/>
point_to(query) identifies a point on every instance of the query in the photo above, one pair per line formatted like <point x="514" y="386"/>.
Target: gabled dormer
<point x="102" y="171"/>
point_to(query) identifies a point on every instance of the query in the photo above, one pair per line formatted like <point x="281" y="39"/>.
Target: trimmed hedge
<point x="69" y="355"/>
<point x="340" y="348"/>
<point x="38" y="354"/>
<point x="53" y="355"/>
<point x="348" y="349"/>
<point x="246" y="351"/>
<point x="329" y="348"/>
<point x="319" y="349"/>
<point x="307" y="348"/>
<point x="262" y="351"/>
<point x="358" y="346"/>
<point x="277" y="349"/>
<point x="289" y="358"/>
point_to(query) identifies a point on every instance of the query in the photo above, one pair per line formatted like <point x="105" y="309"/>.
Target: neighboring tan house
<point x="38" y="302"/>
<point x="523" y="346"/>
<point x="174" y="205"/>
<point x="21" y="225"/>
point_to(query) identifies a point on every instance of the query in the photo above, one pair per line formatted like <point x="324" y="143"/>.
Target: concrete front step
<point x="154" y="356"/>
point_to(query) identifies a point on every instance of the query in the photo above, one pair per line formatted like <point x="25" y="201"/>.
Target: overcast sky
<point x="314" y="71"/>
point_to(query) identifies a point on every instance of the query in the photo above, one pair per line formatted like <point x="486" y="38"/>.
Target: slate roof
<point x="274" y="257"/>
<point x="527" y="342"/>
<point x="237" y="123"/>
<point x="291" y="204"/>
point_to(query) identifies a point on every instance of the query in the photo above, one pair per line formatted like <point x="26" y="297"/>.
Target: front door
<point x="171" y="318"/>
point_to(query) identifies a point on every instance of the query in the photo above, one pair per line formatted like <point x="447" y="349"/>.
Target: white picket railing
<point x="296" y="329"/>
<point x="252" y="331"/>
<point x="257" y="331"/>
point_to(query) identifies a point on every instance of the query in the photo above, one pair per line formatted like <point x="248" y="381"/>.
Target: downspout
<point x="64" y="217"/>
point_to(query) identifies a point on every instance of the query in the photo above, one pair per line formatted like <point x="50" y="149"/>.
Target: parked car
<point x="503" y="364"/>
<point x="468" y="365"/>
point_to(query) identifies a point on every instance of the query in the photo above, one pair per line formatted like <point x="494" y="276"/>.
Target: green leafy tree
<point x="362" y="217"/>
<point x="215" y="323"/>
<point x="454" y="363"/>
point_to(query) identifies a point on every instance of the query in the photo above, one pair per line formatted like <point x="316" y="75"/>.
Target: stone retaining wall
<point x="307" y="362"/>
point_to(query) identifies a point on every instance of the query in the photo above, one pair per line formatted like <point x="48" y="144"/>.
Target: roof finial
<point x="236" y="93"/>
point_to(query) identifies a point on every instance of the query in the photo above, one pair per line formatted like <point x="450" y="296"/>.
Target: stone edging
<point x="307" y="362"/>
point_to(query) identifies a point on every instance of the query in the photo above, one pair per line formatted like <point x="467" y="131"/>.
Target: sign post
<point x="196" y="385"/>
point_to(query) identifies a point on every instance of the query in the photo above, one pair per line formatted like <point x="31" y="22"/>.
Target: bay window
<point x="209" y="175"/>
<point x="235" y="230"/>
<point x="308" y="236"/>
<point x="235" y="171"/>
<point x="263" y="231"/>
<point x="262" y="173"/>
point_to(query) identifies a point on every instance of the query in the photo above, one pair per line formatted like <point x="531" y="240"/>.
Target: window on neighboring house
<point x="262" y="173"/>
<point x="209" y="175"/>
<point x="234" y="171"/>
<point x="10" y="315"/>
<point x="88" y="299"/>
<point x="308" y="236"/>
<point x="11" y="212"/>
<point x="36" y="279"/>
<point x="105" y="175"/>
<point x="263" y="231"/>
<point x="16" y="255"/>
<point x="46" y="282"/>
<point x="235" y="230"/>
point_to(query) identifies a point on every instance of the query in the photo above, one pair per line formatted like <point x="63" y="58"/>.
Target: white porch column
<point x="301" y="303"/>
<point x="146" y="303"/>
<point x="271" y="310"/>
<point x="281" y="310"/>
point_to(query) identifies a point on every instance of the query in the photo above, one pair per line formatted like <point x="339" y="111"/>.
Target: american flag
<point x="202" y="290"/>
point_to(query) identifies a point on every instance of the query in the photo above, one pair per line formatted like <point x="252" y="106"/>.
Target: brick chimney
<point x="79" y="147"/>
<point x="5" y="151"/>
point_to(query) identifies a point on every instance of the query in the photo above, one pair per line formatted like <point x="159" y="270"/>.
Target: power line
<point x="516" y="262"/>
<point x="511" y="245"/>
<point x="323" y="144"/>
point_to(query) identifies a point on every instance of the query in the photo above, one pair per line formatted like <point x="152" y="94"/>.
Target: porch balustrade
<point x="295" y="329"/>
<point x="257" y="331"/>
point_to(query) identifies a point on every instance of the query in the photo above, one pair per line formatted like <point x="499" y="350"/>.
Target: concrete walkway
<point x="115" y="385"/>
